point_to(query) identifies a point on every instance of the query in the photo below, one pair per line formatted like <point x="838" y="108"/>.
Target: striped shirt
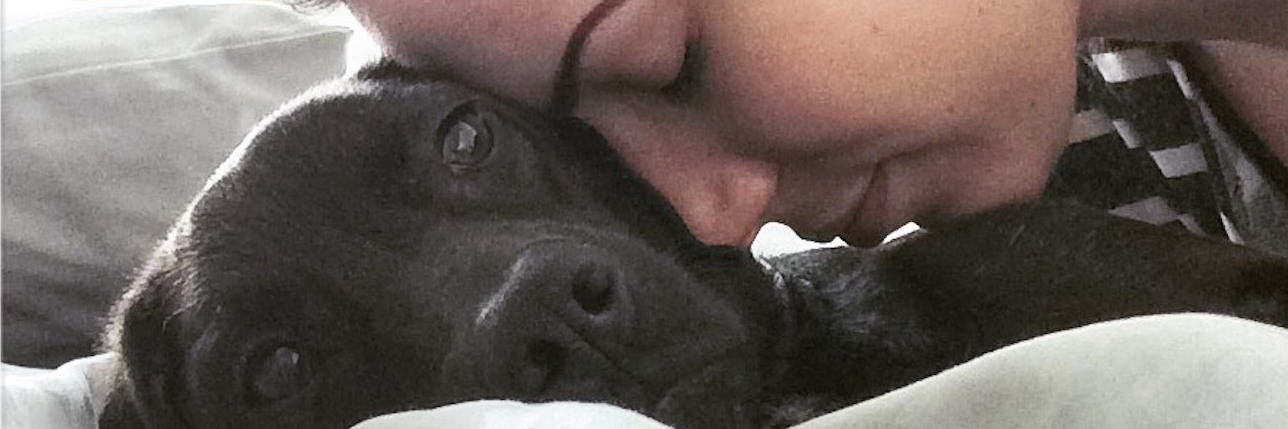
<point x="1150" y="142"/>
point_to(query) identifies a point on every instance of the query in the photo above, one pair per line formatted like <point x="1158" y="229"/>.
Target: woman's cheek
<point x="878" y="76"/>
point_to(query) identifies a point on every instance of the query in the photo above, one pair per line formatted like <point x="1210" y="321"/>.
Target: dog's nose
<point x="558" y="321"/>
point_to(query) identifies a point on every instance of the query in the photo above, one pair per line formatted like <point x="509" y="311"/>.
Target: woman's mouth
<point x="822" y="210"/>
<point x="869" y="220"/>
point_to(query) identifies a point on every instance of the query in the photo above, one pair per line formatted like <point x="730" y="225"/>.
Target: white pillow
<point x="112" y="119"/>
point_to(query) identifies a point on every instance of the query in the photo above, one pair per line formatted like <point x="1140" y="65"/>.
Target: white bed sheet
<point x="1169" y="371"/>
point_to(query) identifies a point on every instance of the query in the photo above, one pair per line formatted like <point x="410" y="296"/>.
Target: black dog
<point x="393" y="242"/>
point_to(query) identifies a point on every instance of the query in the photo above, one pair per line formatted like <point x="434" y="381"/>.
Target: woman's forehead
<point x="510" y="47"/>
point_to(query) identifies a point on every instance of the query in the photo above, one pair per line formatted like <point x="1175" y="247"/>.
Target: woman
<point x="836" y="117"/>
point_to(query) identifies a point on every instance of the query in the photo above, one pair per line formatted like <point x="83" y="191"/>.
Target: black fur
<point x="548" y="271"/>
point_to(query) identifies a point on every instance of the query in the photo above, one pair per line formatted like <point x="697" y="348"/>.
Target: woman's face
<point x="836" y="117"/>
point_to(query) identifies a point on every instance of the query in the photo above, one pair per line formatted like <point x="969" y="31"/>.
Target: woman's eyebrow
<point x="564" y="97"/>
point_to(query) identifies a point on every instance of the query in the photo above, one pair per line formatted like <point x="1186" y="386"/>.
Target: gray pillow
<point x="112" y="119"/>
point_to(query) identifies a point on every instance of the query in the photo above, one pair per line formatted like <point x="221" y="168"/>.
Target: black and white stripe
<point x="1134" y="147"/>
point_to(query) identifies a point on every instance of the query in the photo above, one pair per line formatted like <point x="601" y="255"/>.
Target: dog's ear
<point x="386" y="68"/>
<point x="149" y="379"/>
<point x="120" y="413"/>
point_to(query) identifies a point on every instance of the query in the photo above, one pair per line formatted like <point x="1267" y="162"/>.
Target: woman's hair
<point x="312" y="5"/>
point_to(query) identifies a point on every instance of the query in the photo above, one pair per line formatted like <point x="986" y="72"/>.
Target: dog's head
<point x="391" y="242"/>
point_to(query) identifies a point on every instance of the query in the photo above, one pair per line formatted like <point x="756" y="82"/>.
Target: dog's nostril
<point x="544" y="361"/>
<point x="592" y="288"/>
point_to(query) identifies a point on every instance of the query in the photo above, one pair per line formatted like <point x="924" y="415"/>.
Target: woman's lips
<point x="870" y="220"/>
<point x="823" y="211"/>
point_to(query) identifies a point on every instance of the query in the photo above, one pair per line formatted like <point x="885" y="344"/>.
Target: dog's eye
<point x="277" y="375"/>
<point x="466" y="140"/>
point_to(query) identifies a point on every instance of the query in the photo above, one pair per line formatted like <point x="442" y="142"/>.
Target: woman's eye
<point x="689" y="78"/>
<point x="466" y="141"/>
<point x="277" y="375"/>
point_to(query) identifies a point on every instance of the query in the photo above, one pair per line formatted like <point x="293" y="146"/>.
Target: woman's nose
<point x="721" y="194"/>
<point x="722" y="204"/>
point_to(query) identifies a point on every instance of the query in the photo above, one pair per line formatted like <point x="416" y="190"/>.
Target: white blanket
<point x="1172" y="371"/>
<point x="70" y="397"/>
